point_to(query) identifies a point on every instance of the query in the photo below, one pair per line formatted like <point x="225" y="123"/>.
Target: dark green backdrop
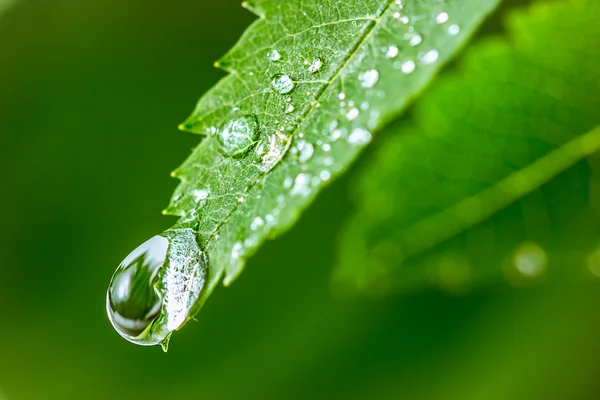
<point x="91" y="93"/>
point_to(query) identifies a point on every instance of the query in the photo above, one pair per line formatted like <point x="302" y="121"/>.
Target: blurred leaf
<point x="6" y="4"/>
<point x="491" y="177"/>
<point x="308" y="85"/>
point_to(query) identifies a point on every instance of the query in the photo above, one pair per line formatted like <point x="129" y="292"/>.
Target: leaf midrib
<point x="368" y="31"/>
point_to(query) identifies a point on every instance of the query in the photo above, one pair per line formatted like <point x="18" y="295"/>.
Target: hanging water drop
<point x="282" y="83"/>
<point x="154" y="288"/>
<point x="238" y="135"/>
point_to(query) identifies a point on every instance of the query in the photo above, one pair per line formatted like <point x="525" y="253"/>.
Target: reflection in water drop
<point x="238" y="135"/>
<point x="282" y="83"/>
<point x="153" y="289"/>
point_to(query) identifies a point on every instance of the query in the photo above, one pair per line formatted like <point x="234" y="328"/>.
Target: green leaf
<point x="309" y="83"/>
<point x="493" y="175"/>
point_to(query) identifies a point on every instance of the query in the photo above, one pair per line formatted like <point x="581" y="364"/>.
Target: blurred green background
<point x="91" y="93"/>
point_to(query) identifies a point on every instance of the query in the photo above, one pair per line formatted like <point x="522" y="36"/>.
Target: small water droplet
<point x="325" y="175"/>
<point x="341" y="96"/>
<point x="274" y="55"/>
<point x="238" y="135"/>
<point x="306" y="151"/>
<point x="290" y="108"/>
<point x="369" y="78"/>
<point x="326" y="147"/>
<point x="429" y="57"/>
<point x="301" y="185"/>
<point x="359" y="136"/>
<point x="282" y="83"/>
<point x="392" y="52"/>
<point x="453" y="30"/>
<point x="288" y="182"/>
<point x="257" y="223"/>
<point x="352" y="114"/>
<point x="404" y="19"/>
<point x="315" y="65"/>
<point x="414" y="39"/>
<point x="441" y="18"/>
<point x="408" y="67"/>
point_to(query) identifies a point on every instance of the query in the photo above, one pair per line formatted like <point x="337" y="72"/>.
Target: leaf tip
<point x="254" y="8"/>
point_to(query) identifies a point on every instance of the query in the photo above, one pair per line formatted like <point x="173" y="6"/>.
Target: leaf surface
<point x="309" y="83"/>
<point x="496" y="174"/>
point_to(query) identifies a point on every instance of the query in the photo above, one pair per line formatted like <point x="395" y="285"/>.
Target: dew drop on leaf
<point x="306" y="151"/>
<point x="408" y="67"/>
<point x="282" y="83"/>
<point x="369" y="78"/>
<point x="315" y="65"/>
<point x="441" y="18"/>
<point x="453" y="30"/>
<point x="274" y="55"/>
<point x="392" y="52"/>
<point x="359" y="136"/>
<point x="238" y="135"/>
<point x="429" y="57"/>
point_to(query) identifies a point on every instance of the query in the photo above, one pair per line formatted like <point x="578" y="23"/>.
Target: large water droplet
<point x="133" y="301"/>
<point x="238" y="135"/>
<point x="282" y="83"/>
<point x="154" y="288"/>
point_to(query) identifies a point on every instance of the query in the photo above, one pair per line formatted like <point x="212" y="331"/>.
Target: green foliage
<point x="492" y="176"/>
<point x="317" y="81"/>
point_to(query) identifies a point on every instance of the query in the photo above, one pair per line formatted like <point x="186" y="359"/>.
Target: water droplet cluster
<point x="249" y="135"/>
